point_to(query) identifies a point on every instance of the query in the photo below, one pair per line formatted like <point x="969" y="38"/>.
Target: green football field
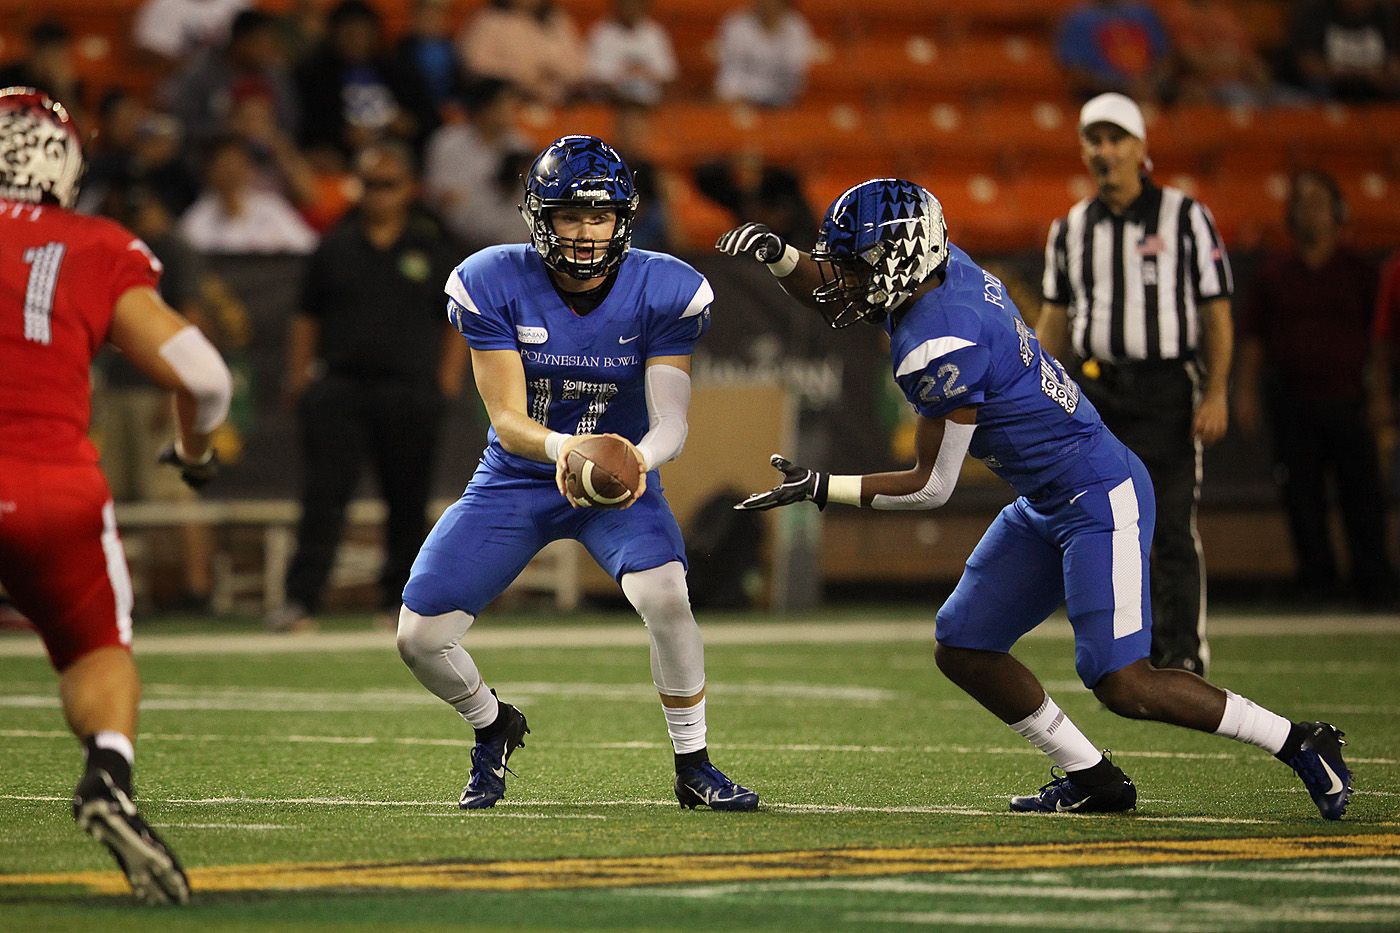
<point x="309" y="783"/>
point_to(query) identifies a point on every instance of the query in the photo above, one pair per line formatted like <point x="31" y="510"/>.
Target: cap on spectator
<point x="1117" y="109"/>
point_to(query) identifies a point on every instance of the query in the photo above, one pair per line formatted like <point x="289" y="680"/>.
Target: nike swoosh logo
<point x="1060" y="804"/>
<point x="1076" y="496"/>
<point x="1336" y="787"/>
<point x="628" y="339"/>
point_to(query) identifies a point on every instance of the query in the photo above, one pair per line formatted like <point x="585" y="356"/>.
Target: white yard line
<point x="874" y="629"/>
<point x="797" y="748"/>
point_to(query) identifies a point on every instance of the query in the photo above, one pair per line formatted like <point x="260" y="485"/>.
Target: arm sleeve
<point x="668" y="400"/>
<point x="202" y="370"/>
<point x="957" y="437"/>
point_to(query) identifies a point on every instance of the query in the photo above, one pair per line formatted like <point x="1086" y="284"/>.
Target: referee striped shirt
<point x="1133" y="283"/>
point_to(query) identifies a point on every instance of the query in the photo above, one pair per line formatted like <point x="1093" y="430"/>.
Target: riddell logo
<point x="591" y="193"/>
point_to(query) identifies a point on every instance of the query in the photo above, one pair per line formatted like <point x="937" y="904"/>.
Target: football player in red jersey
<point x="69" y="283"/>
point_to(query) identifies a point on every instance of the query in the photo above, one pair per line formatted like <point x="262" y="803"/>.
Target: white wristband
<point x="551" y="445"/>
<point x="783" y="265"/>
<point x="843" y="489"/>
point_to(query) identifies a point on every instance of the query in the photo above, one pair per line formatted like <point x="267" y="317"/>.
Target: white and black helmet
<point x="41" y="156"/>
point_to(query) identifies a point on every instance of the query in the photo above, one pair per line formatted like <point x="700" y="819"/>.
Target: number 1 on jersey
<point x="43" y="264"/>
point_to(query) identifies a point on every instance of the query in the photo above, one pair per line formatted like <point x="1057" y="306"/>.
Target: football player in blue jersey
<point x="571" y="335"/>
<point x="1080" y="529"/>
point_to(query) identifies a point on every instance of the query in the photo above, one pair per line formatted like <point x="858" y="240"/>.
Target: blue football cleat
<point x="1062" y="795"/>
<point x="1319" y="763"/>
<point x="488" y="779"/>
<point x="707" y="785"/>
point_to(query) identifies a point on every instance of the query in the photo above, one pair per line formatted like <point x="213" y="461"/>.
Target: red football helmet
<point x="41" y="155"/>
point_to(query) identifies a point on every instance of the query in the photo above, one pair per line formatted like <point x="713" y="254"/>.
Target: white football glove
<point x="754" y="240"/>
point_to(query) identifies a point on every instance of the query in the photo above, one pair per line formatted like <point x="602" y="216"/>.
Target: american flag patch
<point x="1150" y="245"/>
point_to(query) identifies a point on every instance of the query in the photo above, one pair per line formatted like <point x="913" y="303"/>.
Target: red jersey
<point x="61" y="274"/>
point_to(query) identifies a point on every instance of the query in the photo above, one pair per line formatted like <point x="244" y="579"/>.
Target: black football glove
<point x="754" y="240"/>
<point x="196" y="474"/>
<point x="799" y="485"/>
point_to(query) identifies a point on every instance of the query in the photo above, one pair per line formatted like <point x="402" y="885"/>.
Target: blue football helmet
<point x="878" y="242"/>
<point x="579" y="171"/>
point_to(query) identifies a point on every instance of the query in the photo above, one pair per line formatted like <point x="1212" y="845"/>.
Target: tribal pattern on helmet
<point x="41" y="156"/>
<point x="878" y="242"/>
<point x="582" y="172"/>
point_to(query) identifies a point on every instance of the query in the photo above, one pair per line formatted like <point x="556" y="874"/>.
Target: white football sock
<point x="1051" y="731"/>
<point x="687" y="727"/>
<point x="1247" y="721"/>
<point x="114" y="741"/>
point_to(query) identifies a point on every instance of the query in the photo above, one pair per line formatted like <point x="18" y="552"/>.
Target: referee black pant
<point x="344" y="422"/>
<point x="1150" y="406"/>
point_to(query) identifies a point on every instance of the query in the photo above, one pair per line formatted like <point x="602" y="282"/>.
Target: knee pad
<point x="677" y="651"/>
<point x="421" y="637"/>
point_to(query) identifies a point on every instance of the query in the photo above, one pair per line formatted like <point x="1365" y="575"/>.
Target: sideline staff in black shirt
<point x="371" y="357"/>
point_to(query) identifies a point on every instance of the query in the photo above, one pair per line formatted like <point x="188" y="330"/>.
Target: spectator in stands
<point x="755" y="190"/>
<point x="464" y="164"/>
<point x="234" y="215"/>
<point x="47" y="66"/>
<point x="138" y="147"/>
<point x="532" y="44"/>
<point x="1115" y="45"/>
<point x="119" y="118"/>
<point x="1346" y="49"/>
<point x="353" y="92"/>
<point x="1216" y="59"/>
<point x="371" y="359"/>
<point x="174" y="30"/>
<point x="280" y="165"/>
<point x="1307" y="327"/>
<point x="630" y="58"/>
<point x="202" y="95"/>
<point x="132" y="418"/>
<point x="426" y="48"/>
<point x="301" y="27"/>
<point x="161" y="161"/>
<point x="764" y="52"/>
<point x="653" y="224"/>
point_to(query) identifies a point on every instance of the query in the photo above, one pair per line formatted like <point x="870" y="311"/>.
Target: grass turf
<point x="339" y="755"/>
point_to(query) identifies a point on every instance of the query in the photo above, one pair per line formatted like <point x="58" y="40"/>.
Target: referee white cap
<point x="1117" y="109"/>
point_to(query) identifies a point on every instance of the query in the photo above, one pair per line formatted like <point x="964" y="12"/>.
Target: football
<point x="602" y="472"/>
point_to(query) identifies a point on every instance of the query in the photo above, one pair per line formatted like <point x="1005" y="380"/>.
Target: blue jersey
<point x="964" y="343"/>
<point x="583" y="373"/>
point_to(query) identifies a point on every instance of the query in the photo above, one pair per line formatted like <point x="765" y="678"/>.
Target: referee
<point x="1137" y="301"/>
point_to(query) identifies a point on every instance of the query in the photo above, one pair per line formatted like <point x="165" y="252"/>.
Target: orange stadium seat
<point x="941" y="134"/>
<point x="1009" y="67"/>
<point x="1373" y="201"/>
<point x="700" y="221"/>
<point x="1248" y="208"/>
<point x="981" y="211"/>
<point x="892" y="67"/>
<point x="1039" y="136"/>
<point x="816" y="135"/>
